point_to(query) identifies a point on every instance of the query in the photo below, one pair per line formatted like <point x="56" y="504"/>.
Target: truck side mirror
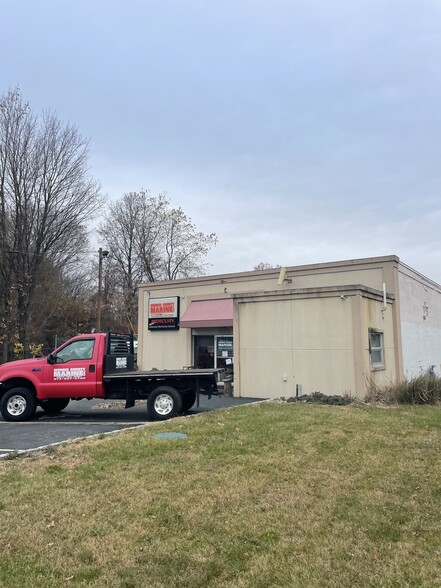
<point x="52" y="358"/>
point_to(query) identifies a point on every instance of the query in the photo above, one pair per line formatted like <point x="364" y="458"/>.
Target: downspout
<point x="384" y="307"/>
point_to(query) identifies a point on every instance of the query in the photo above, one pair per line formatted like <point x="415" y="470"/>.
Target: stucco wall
<point x="305" y="342"/>
<point x="166" y="350"/>
<point x="420" y="309"/>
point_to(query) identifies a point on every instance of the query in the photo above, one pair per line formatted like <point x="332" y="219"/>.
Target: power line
<point x="41" y="254"/>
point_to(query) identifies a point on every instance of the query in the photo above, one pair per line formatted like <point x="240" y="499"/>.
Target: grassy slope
<point x="268" y="495"/>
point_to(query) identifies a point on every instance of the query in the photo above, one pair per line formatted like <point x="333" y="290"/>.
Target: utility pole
<point x="101" y="255"/>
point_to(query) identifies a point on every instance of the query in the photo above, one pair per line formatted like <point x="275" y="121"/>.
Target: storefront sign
<point x="163" y="314"/>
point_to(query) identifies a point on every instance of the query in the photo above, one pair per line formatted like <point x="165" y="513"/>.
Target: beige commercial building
<point x="329" y="327"/>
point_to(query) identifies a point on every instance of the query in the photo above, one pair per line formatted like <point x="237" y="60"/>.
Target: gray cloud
<point x="299" y="131"/>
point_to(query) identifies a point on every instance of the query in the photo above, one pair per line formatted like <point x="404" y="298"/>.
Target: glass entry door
<point x="204" y="351"/>
<point x="213" y="351"/>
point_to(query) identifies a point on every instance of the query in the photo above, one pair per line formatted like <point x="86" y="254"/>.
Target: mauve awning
<point x="208" y="313"/>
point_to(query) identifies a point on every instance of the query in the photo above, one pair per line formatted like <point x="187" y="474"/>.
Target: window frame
<point x="382" y="363"/>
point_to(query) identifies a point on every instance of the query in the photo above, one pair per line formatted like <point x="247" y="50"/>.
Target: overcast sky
<point x="299" y="131"/>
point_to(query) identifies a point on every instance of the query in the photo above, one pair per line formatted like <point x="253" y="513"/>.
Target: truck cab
<point x="74" y="370"/>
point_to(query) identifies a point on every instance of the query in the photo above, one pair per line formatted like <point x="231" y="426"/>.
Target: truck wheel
<point x="54" y="405"/>
<point x="164" y="403"/>
<point x="18" y="404"/>
<point x="188" y="400"/>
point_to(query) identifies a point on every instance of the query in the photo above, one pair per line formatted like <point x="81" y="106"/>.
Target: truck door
<point x="74" y="372"/>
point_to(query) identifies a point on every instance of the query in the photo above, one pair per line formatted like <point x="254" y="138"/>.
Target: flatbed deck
<point x="155" y="374"/>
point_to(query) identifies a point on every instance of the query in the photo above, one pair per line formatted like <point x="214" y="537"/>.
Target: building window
<point x="376" y="348"/>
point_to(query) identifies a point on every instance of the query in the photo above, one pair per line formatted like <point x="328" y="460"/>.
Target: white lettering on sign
<point x="78" y="373"/>
<point x="121" y="363"/>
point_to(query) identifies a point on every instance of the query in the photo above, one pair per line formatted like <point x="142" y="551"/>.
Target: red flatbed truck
<point x="102" y="366"/>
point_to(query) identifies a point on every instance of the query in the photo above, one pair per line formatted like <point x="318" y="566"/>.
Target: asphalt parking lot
<point x="88" y="417"/>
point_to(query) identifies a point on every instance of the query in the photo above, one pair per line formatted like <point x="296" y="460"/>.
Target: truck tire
<point x="164" y="403"/>
<point x="188" y="400"/>
<point x="54" y="405"/>
<point x="18" y="404"/>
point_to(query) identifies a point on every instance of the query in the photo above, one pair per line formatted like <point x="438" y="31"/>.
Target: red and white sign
<point x="163" y="313"/>
<point x="77" y="373"/>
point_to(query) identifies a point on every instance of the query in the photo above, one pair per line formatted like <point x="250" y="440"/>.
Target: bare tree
<point x="71" y="306"/>
<point x="184" y="247"/>
<point x="263" y="265"/>
<point x="46" y="200"/>
<point x="131" y="231"/>
<point x="149" y="241"/>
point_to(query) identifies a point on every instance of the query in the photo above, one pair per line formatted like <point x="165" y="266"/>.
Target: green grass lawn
<point x="257" y="496"/>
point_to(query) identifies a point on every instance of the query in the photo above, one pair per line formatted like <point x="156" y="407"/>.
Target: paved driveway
<point x="87" y="417"/>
